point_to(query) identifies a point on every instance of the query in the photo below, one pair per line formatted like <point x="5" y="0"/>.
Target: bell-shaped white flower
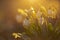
<point x="26" y="22"/>
<point x="39" y="14"/>
<point x="49" y="11"/>
<point x="41" y="20"/>
<point x="19" y="18"/>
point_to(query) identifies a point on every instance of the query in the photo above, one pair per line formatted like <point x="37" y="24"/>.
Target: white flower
<point x="39" y="14"/>
<point x="49" y="11"/>
<point x="41" y="20"/>
<point x="26" y="22"/>
<point x="19" y="18"/>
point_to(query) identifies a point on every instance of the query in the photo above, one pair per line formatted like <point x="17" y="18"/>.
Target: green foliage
<point x="35" y="32"/>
